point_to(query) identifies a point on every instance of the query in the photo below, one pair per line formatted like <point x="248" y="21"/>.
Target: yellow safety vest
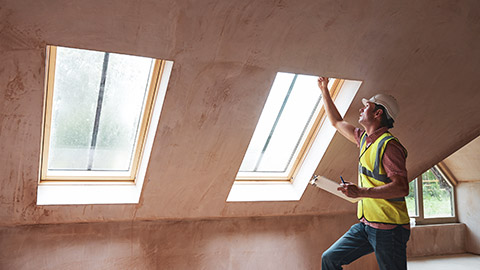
<point x="372" y="174"/>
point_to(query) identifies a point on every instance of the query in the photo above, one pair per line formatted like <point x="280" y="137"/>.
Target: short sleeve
<point x="394" y="159"/>
<point x="358" y="135"/>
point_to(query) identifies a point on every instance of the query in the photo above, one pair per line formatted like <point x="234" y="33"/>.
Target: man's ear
<point x="378" y="113"/>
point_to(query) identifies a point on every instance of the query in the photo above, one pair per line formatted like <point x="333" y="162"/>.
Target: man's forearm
<point x="333" y="115"/>
<point x="388" y="191"/>
<point x="330" y="108"/>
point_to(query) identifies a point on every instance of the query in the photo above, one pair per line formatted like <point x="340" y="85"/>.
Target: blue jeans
<point x="390" y="247"/>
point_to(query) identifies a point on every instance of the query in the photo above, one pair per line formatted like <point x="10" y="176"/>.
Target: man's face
<point x="367" y="114"/>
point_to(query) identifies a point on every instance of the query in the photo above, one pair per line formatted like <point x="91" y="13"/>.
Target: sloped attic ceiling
<point x="226" y="55"/>
<point x="465" y="163"/>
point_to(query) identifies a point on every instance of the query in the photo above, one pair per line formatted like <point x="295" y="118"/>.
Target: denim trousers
<point x="390" y="247"/>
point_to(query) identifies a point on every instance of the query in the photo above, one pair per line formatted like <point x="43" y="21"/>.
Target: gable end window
<point x="431" y="198"/>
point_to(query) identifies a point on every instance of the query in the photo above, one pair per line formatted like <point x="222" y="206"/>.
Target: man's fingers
<point x="349" y="189"/>
<point x="323" y="79"/>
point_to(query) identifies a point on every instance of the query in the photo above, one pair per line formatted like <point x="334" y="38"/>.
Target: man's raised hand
<point x="323" y="83"/>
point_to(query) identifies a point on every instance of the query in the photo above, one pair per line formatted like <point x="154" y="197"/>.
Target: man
<point x="384" y="222"/>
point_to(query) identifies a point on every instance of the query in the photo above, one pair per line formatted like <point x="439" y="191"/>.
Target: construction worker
<point x="384" y="222"/>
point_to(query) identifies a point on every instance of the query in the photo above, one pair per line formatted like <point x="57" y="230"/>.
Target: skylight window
<point x="98" y="108"/>
<point x="290" y="139"/>
<point x="285" y="127"/>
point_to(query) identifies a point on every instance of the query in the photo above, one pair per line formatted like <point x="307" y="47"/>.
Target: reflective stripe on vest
<point x="372" y="174"/>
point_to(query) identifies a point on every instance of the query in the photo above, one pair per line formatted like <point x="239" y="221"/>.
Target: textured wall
<point x="468" y="205"/>
<point x="226" y="54"/>
<point x="255" y="243"/>
<point x="440" y="239"/>
<point x="464" y="164"/>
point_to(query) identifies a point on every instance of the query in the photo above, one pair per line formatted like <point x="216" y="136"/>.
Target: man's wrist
<point x="365" y="192"/>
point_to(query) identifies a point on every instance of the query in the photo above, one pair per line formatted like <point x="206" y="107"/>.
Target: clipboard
<point x="331" y="186"/>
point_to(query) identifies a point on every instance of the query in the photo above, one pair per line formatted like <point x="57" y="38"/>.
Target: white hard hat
<point x="387" y="101"/>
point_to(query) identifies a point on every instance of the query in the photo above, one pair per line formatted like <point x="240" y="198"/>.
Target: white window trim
<point x="108" y="193"/>
<point x="248" y="191"/>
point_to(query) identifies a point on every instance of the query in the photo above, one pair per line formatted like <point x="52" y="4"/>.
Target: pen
<point x="341" y="178"/>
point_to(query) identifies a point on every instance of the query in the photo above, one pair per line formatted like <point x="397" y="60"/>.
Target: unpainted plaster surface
<point x="468" y="213"/>
<point x="465" y="163"/>
<point x="226" y="55"/>
<point x="255" y="243"/>
<point x="428" y="240"/>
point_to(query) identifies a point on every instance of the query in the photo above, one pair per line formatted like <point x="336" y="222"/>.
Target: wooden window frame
<point x="420" y="218"/>
<point x="94" y="177"/>
<point x="312" y="134"/>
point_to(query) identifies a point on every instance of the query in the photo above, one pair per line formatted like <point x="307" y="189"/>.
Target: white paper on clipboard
<point x="331" y="186"/>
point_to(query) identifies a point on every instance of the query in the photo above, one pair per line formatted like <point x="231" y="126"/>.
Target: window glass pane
<point x="286" y="119"/>
<point x="125" y="92"/>
<point x="75" y="142"/>
<point x="411" y="199"/>
<point x="270" y="111"/>
<point x="77" y="80"/>
<point x="437" y="195"/>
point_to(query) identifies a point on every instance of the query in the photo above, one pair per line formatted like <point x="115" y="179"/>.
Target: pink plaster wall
<point x="464" y="164"/>
<point x="468" y="205"/>
<point x="226" y="55"/>
<point x="255" y="243"/>
<point x="428" y="240"/>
